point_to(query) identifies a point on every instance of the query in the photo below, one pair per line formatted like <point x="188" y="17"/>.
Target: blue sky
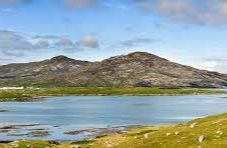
<point x="185" y="31"/>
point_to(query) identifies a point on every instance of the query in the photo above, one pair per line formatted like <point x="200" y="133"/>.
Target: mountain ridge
<point x="137" y="69"/>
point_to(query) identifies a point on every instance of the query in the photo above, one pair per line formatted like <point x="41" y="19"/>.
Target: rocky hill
<point x="138" y="69"/>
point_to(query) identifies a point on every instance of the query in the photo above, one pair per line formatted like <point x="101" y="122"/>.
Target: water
<point x="57" y="115"/>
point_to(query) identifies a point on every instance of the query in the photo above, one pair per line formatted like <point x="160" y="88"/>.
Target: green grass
<point x="165" y="137"/>
<point x="14" y="96"/>
<point x="27" y="144"/>
<point x="26" y="94"/>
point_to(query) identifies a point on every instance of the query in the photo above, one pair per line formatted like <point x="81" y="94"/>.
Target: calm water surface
<point x="61" y="114"/>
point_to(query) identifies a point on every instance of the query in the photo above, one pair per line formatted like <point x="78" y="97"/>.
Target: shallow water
<point x="61" y="114"/>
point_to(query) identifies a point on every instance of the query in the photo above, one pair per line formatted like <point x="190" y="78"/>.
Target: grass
<point x="27" y="94"/>
<point x="13" y="96"/>
<point x="213" y="128"/>
<point x="176" y="136"/>
<point x="27" y="144"/>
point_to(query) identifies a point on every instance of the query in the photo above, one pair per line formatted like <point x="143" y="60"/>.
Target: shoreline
<point x="35" y="99"/>
<point x="92" y="132"/>
<point x="28" y="95"/>
<point x="211" y="128"/>
<point x="43" y="98"/>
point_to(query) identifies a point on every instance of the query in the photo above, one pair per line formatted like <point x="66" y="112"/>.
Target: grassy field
<point x="210" y="132"/>
<point x="28" y="94"/>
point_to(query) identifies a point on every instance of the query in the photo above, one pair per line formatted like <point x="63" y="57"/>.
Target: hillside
<point x="138" y="69"/>
<point x="204" y="132"/>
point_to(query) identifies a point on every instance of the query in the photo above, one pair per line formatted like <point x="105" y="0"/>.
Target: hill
<point x="138" y="69"/>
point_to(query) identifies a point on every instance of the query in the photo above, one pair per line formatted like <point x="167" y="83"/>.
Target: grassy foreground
<point x="29" y="94"/>
<point x="207" y="132"/>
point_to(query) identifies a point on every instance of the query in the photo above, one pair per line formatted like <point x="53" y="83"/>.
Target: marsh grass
<point x="26" y="94"/>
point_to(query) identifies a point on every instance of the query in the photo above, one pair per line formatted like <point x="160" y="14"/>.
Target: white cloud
<point x="209" y="65"/>
<point x="215" y="65"/>
<point x="89" y="41"/>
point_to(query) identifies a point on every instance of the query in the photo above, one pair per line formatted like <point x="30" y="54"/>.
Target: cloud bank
<point x="205" y="12"/>
<point x="10" y="40"/>
<point x="14" y="44"/>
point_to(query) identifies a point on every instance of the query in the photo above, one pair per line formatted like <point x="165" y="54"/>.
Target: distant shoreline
<point x="28" y="95"/>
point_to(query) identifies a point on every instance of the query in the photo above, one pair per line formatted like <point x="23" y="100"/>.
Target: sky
<point x="189" y="32"/>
